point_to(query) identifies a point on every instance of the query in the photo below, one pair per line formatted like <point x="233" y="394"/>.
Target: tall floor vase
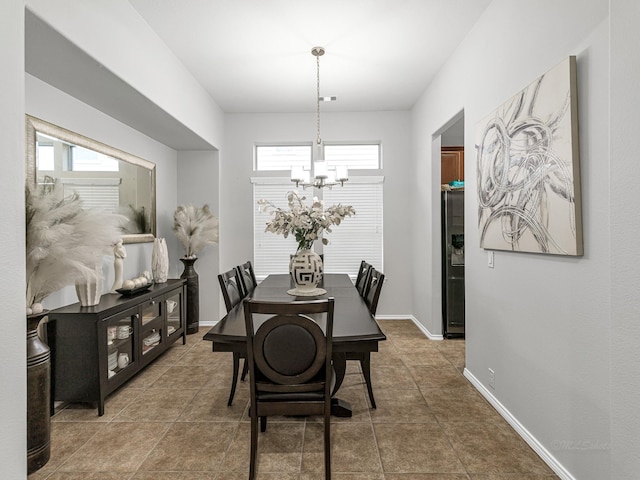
<point x="38" y="396"/>
<point x="193" y="295"/>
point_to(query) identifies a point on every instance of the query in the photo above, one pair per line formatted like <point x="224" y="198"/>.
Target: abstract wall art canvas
<point x="528" y="168"/>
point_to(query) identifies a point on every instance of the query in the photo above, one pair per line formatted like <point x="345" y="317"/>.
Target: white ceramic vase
<point x="306" y="270"/>
<point x="160" y="261"/>
<point x="90" y="291"/>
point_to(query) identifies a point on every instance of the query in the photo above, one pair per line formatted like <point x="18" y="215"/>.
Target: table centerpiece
<point x="307" y="223"/>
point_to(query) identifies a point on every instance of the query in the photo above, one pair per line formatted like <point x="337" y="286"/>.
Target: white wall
<point x="197" y="181"/>
<point x="540" y="322"/>
<point x="242" y="131"/>
<point x="13" y="356"/>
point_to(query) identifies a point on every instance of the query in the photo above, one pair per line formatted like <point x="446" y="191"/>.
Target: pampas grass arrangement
<point x="64" y="242"/>
<point x="195" y="227"/>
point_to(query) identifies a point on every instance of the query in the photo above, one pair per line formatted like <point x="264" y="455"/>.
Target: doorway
<point x="452" y="228"/>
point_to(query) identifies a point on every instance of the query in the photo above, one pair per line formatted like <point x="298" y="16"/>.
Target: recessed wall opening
<point x="452" y="227"/>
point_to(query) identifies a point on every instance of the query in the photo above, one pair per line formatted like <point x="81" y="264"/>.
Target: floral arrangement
<point x="64" y="242"/>
<point x="195" y="227"/>
<point x="305" y="222"/>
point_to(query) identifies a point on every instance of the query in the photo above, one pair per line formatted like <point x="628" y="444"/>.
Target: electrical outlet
<point x="492" y="378"/>
<point x="490" y="259"/>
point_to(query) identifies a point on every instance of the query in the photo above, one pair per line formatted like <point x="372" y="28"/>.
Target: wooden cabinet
<point x="95" y="350"/>
<point x="451" y="164"/>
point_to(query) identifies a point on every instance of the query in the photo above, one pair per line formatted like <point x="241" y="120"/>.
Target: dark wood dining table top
<point x="354" y="328"/>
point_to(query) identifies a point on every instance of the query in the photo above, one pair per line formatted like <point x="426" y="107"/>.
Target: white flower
<point x="306" y="222"/>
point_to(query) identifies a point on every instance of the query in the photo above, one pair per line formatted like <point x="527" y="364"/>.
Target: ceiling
<point x="255" y="55"/>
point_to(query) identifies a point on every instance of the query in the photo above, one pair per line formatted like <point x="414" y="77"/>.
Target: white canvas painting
<point x="528" y="180"/>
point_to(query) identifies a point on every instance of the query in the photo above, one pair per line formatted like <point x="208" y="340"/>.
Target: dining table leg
<point x="339" y="407"/>
<point x="340" y="369"/>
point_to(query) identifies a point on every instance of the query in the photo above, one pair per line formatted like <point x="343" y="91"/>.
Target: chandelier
<point x="322" y="175"/>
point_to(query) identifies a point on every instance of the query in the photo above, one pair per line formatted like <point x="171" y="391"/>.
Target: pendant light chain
<point x="323" y="176"/>
<point x="318" y="139"/>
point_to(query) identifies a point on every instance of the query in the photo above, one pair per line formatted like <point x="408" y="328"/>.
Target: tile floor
<point x="172" y="422"/>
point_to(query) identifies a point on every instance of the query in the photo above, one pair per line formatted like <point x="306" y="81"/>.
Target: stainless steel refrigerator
<point x="453" y="263"/>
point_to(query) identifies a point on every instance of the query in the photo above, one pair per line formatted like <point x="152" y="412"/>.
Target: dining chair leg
<point x="254" y="448"/>
<point x="365" y="363"/>
<point x="327" y="446"/>
<point x="234" y="378"/>
<point x="263" y="424"/>
<point x="245" y="370"/>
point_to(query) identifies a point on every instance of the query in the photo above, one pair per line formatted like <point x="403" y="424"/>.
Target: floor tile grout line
<point x="450" y="355"/>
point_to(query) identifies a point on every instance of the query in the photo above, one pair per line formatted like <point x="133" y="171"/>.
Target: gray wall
<point x="542" y="323"/>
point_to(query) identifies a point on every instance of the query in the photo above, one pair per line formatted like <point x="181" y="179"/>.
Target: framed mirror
<point x="103" y="176"/>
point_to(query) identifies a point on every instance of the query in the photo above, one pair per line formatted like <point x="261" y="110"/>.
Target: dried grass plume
<point x="195" y="227"/>
<point x="64" y="242"/>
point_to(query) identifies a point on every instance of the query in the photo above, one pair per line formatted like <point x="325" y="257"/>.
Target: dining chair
<point x="363" y="276"/>
<point x="372" y="292"/>
<point x="290" y="367"/>
<point x="372" y="289"/>
<point x="233" y="293"/>
<point x="247" y="277"/>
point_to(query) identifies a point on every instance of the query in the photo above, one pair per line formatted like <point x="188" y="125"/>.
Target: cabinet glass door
<point x="151" y="326"/>
<point x="173" y="306"/>
<point x="120" y="343"/>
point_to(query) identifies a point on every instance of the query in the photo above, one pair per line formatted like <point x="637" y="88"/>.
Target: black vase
<point x="193" y="296"/>
<point x="38" y="396"/>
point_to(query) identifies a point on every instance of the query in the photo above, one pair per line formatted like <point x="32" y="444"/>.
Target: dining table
<point x="355" y="331"/>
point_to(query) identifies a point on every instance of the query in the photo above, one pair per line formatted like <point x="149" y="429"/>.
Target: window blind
<point x="270" y="251"/>
<point x="103" y="197"/>
<point x="100" y="193"/>
<point x="358" y="237"/>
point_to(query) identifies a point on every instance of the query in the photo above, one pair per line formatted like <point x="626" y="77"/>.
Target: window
<point x="85" y="160"/>
<point x="353" y="156"/>
<point x="45" y="157"/>
<point x="282" y="157"/>
<point x="357" y="238"/>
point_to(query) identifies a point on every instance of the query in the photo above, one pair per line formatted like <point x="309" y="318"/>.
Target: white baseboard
<point x="422" y="328"/>
<point x="208" y="323"/>
<point x="544" y="454"/>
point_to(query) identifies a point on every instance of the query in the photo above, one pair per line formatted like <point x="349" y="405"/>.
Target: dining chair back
<point x="363" y="277"/>
<point x="233" y="293"/>
<point x="247" y="277"/>
<point x="290" y="368"/>
<point x="374" y="287"/>
<point x="231" y="287"/>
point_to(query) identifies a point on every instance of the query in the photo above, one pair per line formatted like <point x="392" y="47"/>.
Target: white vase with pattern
<point x="306" y="270"/>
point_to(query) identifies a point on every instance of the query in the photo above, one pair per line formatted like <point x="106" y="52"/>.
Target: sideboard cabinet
<point x="94" y="350"/>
